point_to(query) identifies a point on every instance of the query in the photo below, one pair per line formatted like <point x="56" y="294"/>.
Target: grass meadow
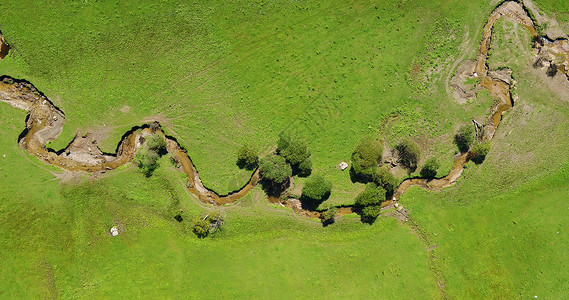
<point x="218" y="75"/>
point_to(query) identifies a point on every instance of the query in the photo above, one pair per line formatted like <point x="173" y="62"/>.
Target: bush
<point x="385" y="179"/>
<point x="430" y="168"/>
<point x="328" y="216"/>
<point x="157" y="144"/>
<point x="372" y="195"/>
<point x="480" y="150"/>
<point x="365" y="158"/>
<point x="408" y="153"/>
<point x="201" y="227"/>
<point x="147" y="161"/>
<point x="305" y="168"/>
<point x="275" y="169"/>
<point x="292" y="149"/>
<point x="247" y="157"/>
<point x="370" y="213"/>
<point x="315" y="191"/>
<point x="147" y="157"/>
<point x="464" y="138"/>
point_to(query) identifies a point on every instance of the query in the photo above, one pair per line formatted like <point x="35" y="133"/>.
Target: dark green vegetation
<point x="223" y="74"/>
<point x="247" y="157"/>
<point x="430" y="168"/>
<point x="296" y="153"/>
<point x="365" y="159"/>
<point x="147" y="158"/>
<point x="315" y="190"/>
<point x="369" y="202"/>
<point x="329" y="216"/>
<point x="275" y="169"/>
<point x="409" y="154"/>
<point x="464" y="138"/>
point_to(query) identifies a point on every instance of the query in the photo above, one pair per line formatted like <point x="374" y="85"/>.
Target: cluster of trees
<point x="147" y="157"/>
<point x="365" y="165"/>
<point x="291" y="158"/>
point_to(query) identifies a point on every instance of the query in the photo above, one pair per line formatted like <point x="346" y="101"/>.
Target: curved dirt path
<point x="45" y="122"/>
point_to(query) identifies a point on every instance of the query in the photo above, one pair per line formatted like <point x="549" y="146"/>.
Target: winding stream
<point x="45" y="121"/>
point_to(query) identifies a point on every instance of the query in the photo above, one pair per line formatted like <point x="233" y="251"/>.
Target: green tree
<point x="372" y="195"/>
<point x="408" y="153"/>
<point x="385" y="179"/>
<point x="480" y="150"/>
<point x="247" y="157"/>
<point x="315" y="191"/>
<point x="305" y="168"/>
<point x="430" y="168"/>
<point x="464" y="138"/>
<point x="147" y="161"/>
<point x="156" y="143"/>
<point x="369" y="202"/>
<point x="370" y="213"/>
<point x="275" y="169"/>
<point x="294" y="150"/>
<point x="365" y="159"/>
<point x="201" y="227"/>
<point x="329" y="215"/>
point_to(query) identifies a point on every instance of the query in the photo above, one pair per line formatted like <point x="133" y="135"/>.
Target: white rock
<point x="114" y="231"/>
<point x="343" y="165"/>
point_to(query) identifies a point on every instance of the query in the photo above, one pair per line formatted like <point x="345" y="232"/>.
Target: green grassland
<point x="218" y="75"/>
<point x="55" y="243"/>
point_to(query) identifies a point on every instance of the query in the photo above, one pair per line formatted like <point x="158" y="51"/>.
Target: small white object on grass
<point x="114" y="231"/>
<point x="343" y="165"/>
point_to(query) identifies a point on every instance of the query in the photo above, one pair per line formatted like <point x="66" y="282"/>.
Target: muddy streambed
<point x="45" y="121"/>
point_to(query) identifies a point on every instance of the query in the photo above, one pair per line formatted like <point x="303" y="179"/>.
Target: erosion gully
<point x="45" y="121"/>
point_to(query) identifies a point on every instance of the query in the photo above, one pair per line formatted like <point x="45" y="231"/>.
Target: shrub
<point x="408" y="153"/>
<point x="365" y="158"/>
<point x="275" y="169"/>
<point x="201" y="227"/>
<point x="464" y="137"/>
<point x="372" y="195"/>
<point x="315" y="191"/>
<point x="328" y="216"/>
<point x="430" y="168"/>
<point x="147" y="157"/>
<point x="305" y="168"/>
<point x="247" y="157"/>
<point x="292" y="149"/>
<point x="480" y="150"/>
<point x="157" y="144"/>
<point x="385" y="179"/>
<point x="147" y="161"/>
<point x="370" y="213"/>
